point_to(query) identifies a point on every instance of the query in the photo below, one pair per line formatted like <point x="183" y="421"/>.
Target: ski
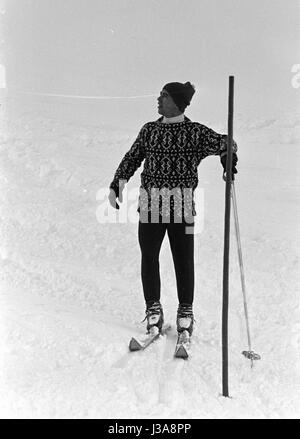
<point x="182" y="345"/>
<point x="139" y="344"/>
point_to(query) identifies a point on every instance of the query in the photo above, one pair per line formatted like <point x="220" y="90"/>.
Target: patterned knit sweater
<point x="171" y="153"/>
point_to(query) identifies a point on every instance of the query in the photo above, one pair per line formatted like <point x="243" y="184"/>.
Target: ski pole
<point x="227" y="241"/>
<point x="248" y="354"/>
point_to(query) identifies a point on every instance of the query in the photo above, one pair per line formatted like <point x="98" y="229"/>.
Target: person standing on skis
<point x="171" y="147"/>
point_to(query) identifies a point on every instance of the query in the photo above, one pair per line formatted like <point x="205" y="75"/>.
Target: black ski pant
<point x="151" y="236"/>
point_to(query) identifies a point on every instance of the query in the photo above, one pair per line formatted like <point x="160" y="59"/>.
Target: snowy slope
<point x="71" y="294"/>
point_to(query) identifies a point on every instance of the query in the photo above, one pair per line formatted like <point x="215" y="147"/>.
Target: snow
<point x="71" y="295"/>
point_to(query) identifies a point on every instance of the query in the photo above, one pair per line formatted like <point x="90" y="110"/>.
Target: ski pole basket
<point x="251" y="355"/>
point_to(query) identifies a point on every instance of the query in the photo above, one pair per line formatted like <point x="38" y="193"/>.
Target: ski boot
<point x="185" y="318"/>
<point x="154" y="315"/>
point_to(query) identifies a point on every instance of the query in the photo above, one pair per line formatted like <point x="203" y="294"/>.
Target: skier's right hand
<point x="113" y="199"/>
<point x="116" y="193"/>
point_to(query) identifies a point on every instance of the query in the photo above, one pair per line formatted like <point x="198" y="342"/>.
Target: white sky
<point x="134" y="47"/>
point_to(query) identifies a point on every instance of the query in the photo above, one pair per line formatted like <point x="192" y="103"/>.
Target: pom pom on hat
<point x="181" y="93"/>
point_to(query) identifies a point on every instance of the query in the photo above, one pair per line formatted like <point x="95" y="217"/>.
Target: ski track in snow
<point x="71" y="294"/>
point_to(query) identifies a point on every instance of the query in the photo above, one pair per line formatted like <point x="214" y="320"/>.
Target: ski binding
<point x="139" y="344"/>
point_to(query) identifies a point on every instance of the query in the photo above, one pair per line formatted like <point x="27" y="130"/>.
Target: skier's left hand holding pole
<point x="234" y="163"/>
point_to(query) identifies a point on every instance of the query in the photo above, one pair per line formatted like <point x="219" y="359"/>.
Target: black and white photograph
<point x="149" y="212"/>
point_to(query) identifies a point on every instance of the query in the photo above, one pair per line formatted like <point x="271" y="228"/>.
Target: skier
<point x="172" y="147"/>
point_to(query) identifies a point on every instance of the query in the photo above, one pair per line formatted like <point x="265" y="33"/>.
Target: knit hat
<point x="181" y="93"/>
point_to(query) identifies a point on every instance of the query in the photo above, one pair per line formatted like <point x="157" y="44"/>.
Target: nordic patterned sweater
<point x="171" y="153"/>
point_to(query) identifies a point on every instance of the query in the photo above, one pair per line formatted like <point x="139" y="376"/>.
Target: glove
<point x="113" y="199"/>
<point x="116" y="192"/>
<point x="234" y="162"/>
